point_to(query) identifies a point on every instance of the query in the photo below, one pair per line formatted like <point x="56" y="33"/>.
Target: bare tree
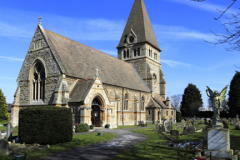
<point x="176" y="100"/>
<point x="232" y="27"/>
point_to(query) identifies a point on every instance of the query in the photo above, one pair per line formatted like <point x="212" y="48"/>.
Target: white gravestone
<point x="9" y="129"/>
<point x="218" y="141"/>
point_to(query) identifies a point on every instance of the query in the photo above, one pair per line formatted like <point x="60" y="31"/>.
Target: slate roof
<point x="152" y="104"/>
<point x="160" y="100"/>
<point x="79" y="91"/>
<point x="81" y="61"/>
<point x="140" y="23"/>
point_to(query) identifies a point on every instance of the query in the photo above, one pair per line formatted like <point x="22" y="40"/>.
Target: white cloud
<point x="12" y="59"/>
<point x="207" y="6"/>
<point x="174" y="64"/>
<point x="9" y="30"/>
<point x="180" y="33"/>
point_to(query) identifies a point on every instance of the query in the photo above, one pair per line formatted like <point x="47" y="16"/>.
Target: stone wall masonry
<point x="52" y="73"/>
<point x="71" y="83"/>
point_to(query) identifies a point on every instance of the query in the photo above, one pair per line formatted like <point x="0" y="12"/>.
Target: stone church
<point x="100" y="89"/>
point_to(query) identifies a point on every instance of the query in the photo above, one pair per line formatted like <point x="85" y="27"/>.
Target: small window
<point x="135" y="53"/>
<point x="126" y="102"/>
<point x="167" y="113"/>
<point x="128" y="53"/>
<point x="38" y="44"/>
<point x="124" y="54"/>
<point x="154" y="78"/>
<point x="149" y="112"/>
<point x="142" y="107"/>
<point x="172" y="113"/>
<point x="138" y="51"/>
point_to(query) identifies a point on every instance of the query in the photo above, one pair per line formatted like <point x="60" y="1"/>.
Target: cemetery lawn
<point x="77" y="141"/>
<point x="149" y="149"/>
<point x="133" y="126"/>
<point x="4" y="128"/>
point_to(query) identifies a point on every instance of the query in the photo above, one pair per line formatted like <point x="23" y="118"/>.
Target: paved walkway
<point x="106" y="150"/>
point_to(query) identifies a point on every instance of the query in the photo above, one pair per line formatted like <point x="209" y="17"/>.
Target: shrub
<point x="82" y="127"/>
<point x="225" y="122"/>
<point x="178" y="117"/>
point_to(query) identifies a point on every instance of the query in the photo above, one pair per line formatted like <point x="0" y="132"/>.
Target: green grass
<point x="132" y="126"/>
<point x="77" y="141"/>
<point x="149" y="149"/>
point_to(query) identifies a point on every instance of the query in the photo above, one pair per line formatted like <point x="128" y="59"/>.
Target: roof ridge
<point x="85" y="45"/>
<point x="153" y="102"/>
<point x="85" y="79"/>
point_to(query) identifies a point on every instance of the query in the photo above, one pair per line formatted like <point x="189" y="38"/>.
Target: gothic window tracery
<point x="142" y="107"/>
<point x="126" y="102"/>
<point x="38" y="82"/>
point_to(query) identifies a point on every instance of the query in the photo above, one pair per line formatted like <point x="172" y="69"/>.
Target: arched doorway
<point x="95" y="115"/>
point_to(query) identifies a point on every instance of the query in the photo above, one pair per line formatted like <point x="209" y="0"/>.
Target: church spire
<point x="139" y="23"/>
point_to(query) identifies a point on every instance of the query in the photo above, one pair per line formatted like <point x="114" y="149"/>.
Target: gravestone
<point x="234" y="121"/>
<point x="178" y="127"/>
<point x="9" y="129"/>
<point x="192" y="129"/>
<point x="169" y="125"/>
<point x="157" y="126"/>
<point x="4" y="147"/>
<point x="186" y="130"/>
<point x="183" y="123"/>
<point x="174" y="133"/>
<point x="218" y="142"/>
<point x="237" y="126"/>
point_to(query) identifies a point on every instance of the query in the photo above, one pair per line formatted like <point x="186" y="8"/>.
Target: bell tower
<point x="138" y="46"/>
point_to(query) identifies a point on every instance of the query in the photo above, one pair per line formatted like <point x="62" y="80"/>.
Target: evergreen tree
<point x="3" y="107"/>
<point x="234" y="96"/>
<point x="191" y="101"/>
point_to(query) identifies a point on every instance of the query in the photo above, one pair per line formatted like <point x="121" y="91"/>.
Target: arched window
<point x="142" y="107"/>
<point x="138" y="51"/>
<point x="126" y="102"/>
<point x="38" y="82"/>
<point x="128" y="53"/>
<point x="154" y="78"/>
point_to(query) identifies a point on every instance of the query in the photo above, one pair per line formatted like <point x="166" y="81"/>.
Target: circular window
<point x="131" y="39"/>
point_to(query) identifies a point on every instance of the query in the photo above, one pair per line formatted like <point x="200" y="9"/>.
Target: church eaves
<point x="140" y="23"/>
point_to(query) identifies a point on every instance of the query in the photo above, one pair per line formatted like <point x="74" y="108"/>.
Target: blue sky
<point x="180" y="27"/>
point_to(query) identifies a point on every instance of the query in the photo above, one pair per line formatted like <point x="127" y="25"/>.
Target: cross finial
<point x="96" y="72"/>
<point x="39" y="19"/>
